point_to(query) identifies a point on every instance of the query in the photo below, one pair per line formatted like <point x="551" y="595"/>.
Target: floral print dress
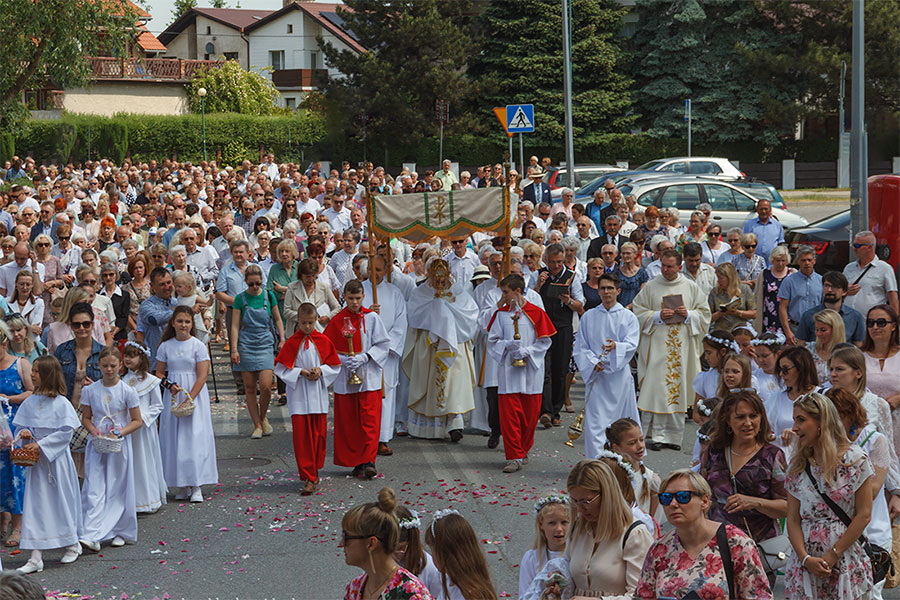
<point x="851" y="577"/>
<point x="770" y="320"/>
<point x="402" y="586"/>
<point x="669" y="571"/>
<point x="12" y="477"/>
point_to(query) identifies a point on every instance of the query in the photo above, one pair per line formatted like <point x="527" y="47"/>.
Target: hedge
<point x="234" y="137"/>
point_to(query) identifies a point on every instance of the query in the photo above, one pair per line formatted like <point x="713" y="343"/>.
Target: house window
<point x="276" y="59"/>
<point x="208" y="30"/>
<point x="231" y="56"/>
<point x="313" y="60"/>
<point x="290" y="102"/>
<point x="290" y="28"/>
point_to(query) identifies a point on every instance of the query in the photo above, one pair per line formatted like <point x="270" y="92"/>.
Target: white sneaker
<point x="92" y="546"/>
<point x="117" y="542"/>
<point x="31" y="566"/>
<point x="197" y="494"/>
<point x="183" y="493"/>
<point x="71" y="555"/>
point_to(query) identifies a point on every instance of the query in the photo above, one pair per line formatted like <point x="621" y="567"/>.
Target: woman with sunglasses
<point x="688" y="559"/>
<point x="288" y="209"/>
<point x="749" y="264"/>
<point x="797" y="369"/>
<point x="53" y="270"/>
<point x="828" y="560"/>
<point x="606" y="546"/>
<point x="882" y="352"/>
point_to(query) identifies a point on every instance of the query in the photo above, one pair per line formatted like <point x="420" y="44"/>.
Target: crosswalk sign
<point x="520" y="118"/>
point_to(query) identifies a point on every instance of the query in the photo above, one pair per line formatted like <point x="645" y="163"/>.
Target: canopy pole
<point x="507" y="242"/>
<point x="370" y="220"/>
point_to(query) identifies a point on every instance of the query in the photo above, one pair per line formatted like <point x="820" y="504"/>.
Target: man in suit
<point x="538" y="191"/>
<point x="47" y="224"/>
<point x="612" y="237"/>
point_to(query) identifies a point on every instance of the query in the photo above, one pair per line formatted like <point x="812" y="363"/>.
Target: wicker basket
<point x="106" y="445"/>
<point x="185" y="408"/>
<point x="22" y="457"/>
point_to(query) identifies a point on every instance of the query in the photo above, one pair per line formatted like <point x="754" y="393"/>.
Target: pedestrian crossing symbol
<point x="520" y="118"/>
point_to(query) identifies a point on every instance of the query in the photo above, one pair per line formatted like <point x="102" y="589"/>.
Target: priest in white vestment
<point x="437" y="358"/>
<point x="391" y="308"/>
<point x="674" y="316"/>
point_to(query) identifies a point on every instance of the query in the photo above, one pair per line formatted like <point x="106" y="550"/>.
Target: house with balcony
<point x="285" y="42"/>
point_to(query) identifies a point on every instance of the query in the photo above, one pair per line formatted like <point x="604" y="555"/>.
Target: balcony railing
<point x="299" y="78"/>
<point x="170" y="69"/>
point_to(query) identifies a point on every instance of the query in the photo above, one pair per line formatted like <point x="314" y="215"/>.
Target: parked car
<point x="829" y="237"/>
<point x="694" y="165"/>
<point x="558" y="177"/>
<point x="731" y="206"/>
<point x="586" y="192"/>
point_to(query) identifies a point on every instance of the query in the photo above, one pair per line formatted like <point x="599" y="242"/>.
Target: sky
<point x="161" y="10"/>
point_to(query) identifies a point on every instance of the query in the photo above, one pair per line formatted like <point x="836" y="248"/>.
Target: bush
<point x="145" y="137"/>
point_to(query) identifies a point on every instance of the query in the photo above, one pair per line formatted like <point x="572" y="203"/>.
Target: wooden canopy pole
<point x="507" y="198"/>
<point x="370" y="220"/>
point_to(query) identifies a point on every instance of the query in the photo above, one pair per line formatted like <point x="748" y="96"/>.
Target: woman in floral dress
<point x="369" y="537"/>
<point x="767" y="286"/>
<point x="688" y="558"/>
<point x="828" y="562"/>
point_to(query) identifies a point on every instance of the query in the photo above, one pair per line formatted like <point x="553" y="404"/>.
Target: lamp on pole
<point x="202" y="93"/>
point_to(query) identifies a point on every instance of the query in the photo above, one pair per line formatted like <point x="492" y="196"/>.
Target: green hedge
<point x="145" y="137"/>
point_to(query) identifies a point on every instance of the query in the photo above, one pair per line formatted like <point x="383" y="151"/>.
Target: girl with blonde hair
<point x="829" y="331"/>
<point x="458" y="556"/>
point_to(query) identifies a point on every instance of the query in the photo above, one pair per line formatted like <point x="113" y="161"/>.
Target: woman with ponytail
<point x="369" y="538"/>
<point x="625" y="437"/>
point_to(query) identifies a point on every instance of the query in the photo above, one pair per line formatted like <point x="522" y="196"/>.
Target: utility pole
<point x="687" y="117"/>
<point x="567" y="90"/>
<point x="859" y="197"/>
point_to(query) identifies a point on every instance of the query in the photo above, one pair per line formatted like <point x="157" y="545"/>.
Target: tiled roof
<point x="317" y="12"/>
<point x="239" y="18"/>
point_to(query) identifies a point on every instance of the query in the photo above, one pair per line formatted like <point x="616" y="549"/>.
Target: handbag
<point x="880" y="558"/>
<point x="892" y="579"/>
<point x="773" y="552"/>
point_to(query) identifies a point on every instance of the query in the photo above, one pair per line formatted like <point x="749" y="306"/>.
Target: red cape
<point x="336" y="324"/>
<point x="327" y="353"/>
<point x="543" y="327"/>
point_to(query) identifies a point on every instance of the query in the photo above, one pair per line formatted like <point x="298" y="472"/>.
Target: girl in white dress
<point x="459" y="558"/>
<point x="551" y="526"/>
<point x="625" y="437"/>
<point x="51" y="515"/>
<point x="716" y="344"/>
<point x="110" y="408"/>
<point x="149" y="482"/>
<point x="188" y="444"/>
<point x="410" y="552"/>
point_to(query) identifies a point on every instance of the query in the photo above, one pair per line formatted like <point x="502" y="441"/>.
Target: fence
<point x="789" y="175"/>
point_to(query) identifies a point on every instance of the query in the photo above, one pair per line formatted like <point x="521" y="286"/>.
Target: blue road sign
<point x="520" y="118"/>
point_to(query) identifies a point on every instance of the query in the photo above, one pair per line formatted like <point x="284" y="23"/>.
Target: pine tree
<point x="521" y="61"/>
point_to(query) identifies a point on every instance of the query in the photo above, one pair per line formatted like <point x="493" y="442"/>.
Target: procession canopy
<point x="446" y="214"/>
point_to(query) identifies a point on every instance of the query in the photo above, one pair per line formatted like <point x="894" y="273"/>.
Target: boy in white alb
<point x="308" y="364"/>
<point x="518" y="338"/>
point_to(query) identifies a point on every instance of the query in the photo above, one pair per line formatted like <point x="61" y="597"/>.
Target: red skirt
<point x="357" y="423"/>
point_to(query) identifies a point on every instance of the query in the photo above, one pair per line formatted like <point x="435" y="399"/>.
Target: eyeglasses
<point x="859" y="245"/>
<point x="42" y="244"/>
<point x="291" y="204"/>
<point x="682" y="497"/>
<point x="346" y="537"/>
<point x="583" y="503"/>
<point x="878" y="322"/>
<point x="81" y="324"/>
<point x="11" y="316"/>
<point x="64" y="238"/>
<point x="785" y="369"/>
<point x="749" y="245"/>
<point x="254" y="284"/>
<point x="734" y="241"/>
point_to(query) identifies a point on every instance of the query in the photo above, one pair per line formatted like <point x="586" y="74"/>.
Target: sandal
<point x="5" y="522"/>
<point x="13" y="540"/>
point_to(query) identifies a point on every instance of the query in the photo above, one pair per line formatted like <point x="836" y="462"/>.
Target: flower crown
<point x="702" y="437"/>
<point x="626" y="466"/>
<point x="411" y="523"/>
<point x="778" y="341"/>
<point x="704" y="410"/>
<point x="730" y="344"/>
<point x="748" y="326"/>
<point x="440" y="514"/>
<point x="739" y="390"/>
<point x="551" y="499"/>
<point x="131" y="344"/>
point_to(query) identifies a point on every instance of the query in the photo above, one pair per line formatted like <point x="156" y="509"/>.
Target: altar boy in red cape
<point x="520" y="367"/>
<point x="308" y="364"/>
<point x="357" y="407"/>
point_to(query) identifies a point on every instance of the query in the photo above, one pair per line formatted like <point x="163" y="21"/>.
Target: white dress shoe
<point x="117" y="542"/>
<point x="197" y="494"/>
<point x="71" y="555"/>
<point x="31" y="567"/>
<point x="183" y="493"/>
<point x="92" y="546"/>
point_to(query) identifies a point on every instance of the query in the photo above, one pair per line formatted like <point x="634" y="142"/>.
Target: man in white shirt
<point x="872" y="281"/>
<point x="462" y="261"/>
<point x="305" y="204"/>
<point x="202" y="258"/>
<point x="23" y="260"/>
<point x="337" y="214"/>
<point x="269" y="167"/>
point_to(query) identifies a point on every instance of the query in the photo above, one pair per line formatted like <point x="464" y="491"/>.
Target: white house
<point x="285" y="41"/>
<point x="211" y="33"/>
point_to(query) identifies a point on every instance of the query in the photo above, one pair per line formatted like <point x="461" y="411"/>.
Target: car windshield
<point x="649" y="165"/>
<point x="841" y="219"/>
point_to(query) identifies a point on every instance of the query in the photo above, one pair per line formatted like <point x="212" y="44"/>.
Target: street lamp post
<point x="202" y="93"/>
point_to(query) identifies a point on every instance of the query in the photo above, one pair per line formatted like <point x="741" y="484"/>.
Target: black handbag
<point x="880" y="558"/>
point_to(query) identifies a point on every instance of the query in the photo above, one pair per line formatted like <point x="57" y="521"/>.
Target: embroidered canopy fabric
<point x="459" y="213"/>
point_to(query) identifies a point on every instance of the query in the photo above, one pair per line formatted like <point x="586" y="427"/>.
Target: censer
<point x="517" y="362"/>
<point x="576" y="429"/>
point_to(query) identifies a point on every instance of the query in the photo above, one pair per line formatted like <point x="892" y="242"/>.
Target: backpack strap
<point x="725" y="553"/>
<point x="628" y="532"/>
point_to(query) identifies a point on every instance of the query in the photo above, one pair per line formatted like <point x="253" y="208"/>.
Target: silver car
<point x="731" y="206"/>
<point x="709" y="166"/>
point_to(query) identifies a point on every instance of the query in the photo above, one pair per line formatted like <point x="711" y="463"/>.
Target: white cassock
<point x="393" y="316"/>
<point x="668" y="356"/>
<point x="149" y="482"/>
<point x="307" y="397"/>
<point x="486" y="296"/>
<point x="107" y="496"/>
<point x="437" y="358"/>
<point x="528" y="379"/>
<point x="51" y="514"/>
<point x="609" y="394"/>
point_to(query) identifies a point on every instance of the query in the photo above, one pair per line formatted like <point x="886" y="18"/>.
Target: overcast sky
<point x="161" y="10"/>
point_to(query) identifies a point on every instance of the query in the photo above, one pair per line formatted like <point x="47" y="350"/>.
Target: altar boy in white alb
<point x="518" y="338"/>
<point x="606" y="341"/>
<point x="391" y="308"/>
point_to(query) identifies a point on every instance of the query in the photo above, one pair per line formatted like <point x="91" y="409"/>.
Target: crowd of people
<point x="116" y="279"/>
